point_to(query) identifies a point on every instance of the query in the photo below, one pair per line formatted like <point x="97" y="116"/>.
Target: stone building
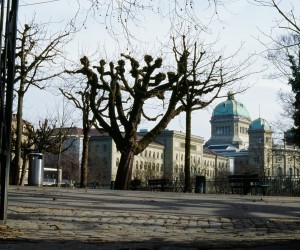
<point x="163" y="158"/>
<point x="249" y="143"/>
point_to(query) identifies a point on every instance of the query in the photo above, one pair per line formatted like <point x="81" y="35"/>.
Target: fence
<point x="275" y="186"/>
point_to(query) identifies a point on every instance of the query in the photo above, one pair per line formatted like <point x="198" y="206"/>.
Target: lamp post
<point x="7" y="76"/>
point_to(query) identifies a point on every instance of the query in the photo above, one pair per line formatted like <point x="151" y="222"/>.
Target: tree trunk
<point x="58" y="168"/>
<point x="124" y="170"/>
<point x="84" y="158"/>
<point x="187" y="160"/>
<point x="23" y="172"/>
<point x="19" y="130"/>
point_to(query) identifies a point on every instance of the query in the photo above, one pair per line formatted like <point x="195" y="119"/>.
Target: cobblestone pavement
<point x="57" y="218"/>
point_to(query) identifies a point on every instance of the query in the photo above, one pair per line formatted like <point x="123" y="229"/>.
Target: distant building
<point x="163" y="158"/>
<point x="250" y="143"/>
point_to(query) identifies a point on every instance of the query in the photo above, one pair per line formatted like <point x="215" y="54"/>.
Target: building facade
<point x="163" y="158"/>
<point x="249" y="143"/>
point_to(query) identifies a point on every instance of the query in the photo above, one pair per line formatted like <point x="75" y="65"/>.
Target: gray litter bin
<point x="36" y="169"/>
<point x="200" y="185"/>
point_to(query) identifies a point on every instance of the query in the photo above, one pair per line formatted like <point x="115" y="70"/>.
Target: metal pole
<point x="10" y="47"/>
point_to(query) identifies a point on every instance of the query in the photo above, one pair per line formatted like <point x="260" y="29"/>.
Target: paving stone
<point x="145" y="219"/>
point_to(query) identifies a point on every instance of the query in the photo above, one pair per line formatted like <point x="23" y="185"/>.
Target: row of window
<point x="193" y="158"/>
<point x="226" y="130"/>
<point x="291" y="172"/>
<point x="223" y="130"/>
<point x="149" y="166"/>
<point x="152" y="154"/>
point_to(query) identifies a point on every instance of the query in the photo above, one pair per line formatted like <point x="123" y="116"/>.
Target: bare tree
<point x="285" y="56"/>
<point x="81" y="100"/>
<point x="123" y="103"/>
<point x="36" y="65"/>
<point x="120" y="16"/>
<point x="206" y="73"/>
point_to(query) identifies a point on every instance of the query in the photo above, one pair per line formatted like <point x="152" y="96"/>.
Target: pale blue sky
<point x="239" y="23"/>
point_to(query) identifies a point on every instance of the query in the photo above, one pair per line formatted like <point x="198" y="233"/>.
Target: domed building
<point x="230" y="123"/>
<point x="249" y="143"/>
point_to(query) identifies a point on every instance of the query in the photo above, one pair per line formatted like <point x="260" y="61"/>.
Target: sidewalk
<point x="60" y="218"/>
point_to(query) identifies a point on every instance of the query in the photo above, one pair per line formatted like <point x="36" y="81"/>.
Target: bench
<point x="135" y="184"/>
<point x="244" y="182"/>
<point x="158" y="184"/>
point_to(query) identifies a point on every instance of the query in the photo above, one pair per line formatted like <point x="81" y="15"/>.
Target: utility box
<point x="36" y="170"/>
<point x="200" y="185"/>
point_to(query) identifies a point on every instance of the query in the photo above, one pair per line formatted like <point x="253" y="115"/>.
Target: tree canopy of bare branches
<point x="206" y="73"/>
<point x="284" y="54"/>
<point x="36" y="64"/>
<point x="122" y="91"/>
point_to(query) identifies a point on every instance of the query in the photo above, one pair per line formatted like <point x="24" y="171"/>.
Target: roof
<point x="223" y="147"/>
<point x="260" y="123"/>
<point x="230" y="107"/>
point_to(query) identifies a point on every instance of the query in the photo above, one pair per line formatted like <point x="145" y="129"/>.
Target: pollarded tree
<point x="123" y="100"/>
<point x="123" y="104"/>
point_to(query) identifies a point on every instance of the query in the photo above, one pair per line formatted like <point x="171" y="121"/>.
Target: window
<point x="161" y="156"/>
<point x="176" y="156"/>
<point x="279" y="171"/>
<point x="176" y="169"/>
<point x="149" y="153"/>
<point x="157" y="155"/>
<point x="104" y="148"/>
<point x="290" y="171"/>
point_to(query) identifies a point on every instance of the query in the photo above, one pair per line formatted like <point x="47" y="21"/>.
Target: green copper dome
<point x="230" y="107"/>
<point x="260" y="123"/>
